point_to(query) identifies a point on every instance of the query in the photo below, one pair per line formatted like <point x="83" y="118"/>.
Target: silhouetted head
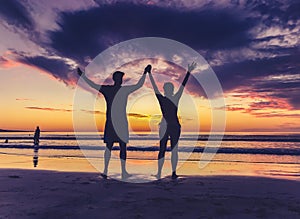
<point x="168" y="89"/>
<point x="118" y="77"/>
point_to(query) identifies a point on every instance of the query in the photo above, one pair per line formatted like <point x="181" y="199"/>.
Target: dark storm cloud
<point x="81" y="35"/>
<point x="265" y="104"/>
<point x="285" y="10"/>
<point x="288" y="90"/>
<point x="14" y="12"/>
<point x="58" y="68"/>
<point x="252" y="77"/>
<point x="233" y="75"/>
<point x="293" y="10"/>
<point x="86" y="33"/>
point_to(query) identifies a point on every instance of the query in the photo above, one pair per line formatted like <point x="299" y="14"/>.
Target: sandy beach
<point x="140" y="91"/>
<point x="53" y="194"/>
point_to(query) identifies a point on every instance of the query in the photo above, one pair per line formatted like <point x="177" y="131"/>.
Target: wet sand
<point x="54" y="194"/>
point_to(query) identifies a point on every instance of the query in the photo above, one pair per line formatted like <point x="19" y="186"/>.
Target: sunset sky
<point x="252" y="47"/>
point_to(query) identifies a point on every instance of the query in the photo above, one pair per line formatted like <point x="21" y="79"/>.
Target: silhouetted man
<point x="116" y="126"/>
<point x="36" y="137"/>
<point x="169" y="125"/>
<point x="36" y="142"/>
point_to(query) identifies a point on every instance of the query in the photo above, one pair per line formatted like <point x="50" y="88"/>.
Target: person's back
<point x="116" y="98"/>
<point x="169" y="108"/>
<point x="169" y="126"/>
<point x="116" y="125"/>
<point x="109" y="92"/>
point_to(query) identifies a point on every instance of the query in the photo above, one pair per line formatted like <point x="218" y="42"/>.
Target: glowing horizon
<point x="43" y="42"/>
<point x="36" y="109"/>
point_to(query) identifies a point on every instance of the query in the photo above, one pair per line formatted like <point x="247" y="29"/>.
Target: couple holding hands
<point x="116" y="126"/>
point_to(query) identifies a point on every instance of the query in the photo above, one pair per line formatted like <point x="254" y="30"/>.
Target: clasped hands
<point x="148" y="69"/>
<point x="191" y="67"/>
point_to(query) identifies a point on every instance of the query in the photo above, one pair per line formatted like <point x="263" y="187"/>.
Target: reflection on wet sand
<point x="36" y="155"/>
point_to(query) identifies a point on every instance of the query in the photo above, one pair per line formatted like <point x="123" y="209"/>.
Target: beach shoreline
<point x="143" y="169"/>
<point x="48" y="194"/>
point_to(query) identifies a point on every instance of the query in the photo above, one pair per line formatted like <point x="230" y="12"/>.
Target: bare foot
<point x="158" y="176"/>
<point x="103" y="175"/>
<point x="174" y="176"/>
<point x="126" y="175"/>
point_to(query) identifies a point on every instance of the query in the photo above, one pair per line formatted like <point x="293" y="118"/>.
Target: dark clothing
<point x="169" y="126"/>
<point x="122" y="145"/>
<point x="109" y="93"/>
<point x="116" y="126"/>
<point x="165" y="131"/>
<point x="169" y="108"/>
<point x="36" y="138"/>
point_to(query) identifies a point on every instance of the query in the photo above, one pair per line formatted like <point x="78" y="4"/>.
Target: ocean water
<point x="267" y="154"/>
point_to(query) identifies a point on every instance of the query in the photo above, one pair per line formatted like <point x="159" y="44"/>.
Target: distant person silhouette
<point x="36" y="137"/>
<point x="116" y="126"/>
<point x="36" y="142"/>
<point x="169" y="125"/>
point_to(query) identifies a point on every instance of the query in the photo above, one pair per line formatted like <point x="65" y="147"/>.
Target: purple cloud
<point x="245" y="42"/>
<point x="16" y="14"/>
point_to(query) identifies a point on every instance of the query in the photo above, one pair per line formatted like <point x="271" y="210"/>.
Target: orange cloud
<point x="138" y="115"/>
<point x="93" y="111"/>
<point x="48" y="109"/>
<point x="7" y="63"/>
<point x="24" y="99"/>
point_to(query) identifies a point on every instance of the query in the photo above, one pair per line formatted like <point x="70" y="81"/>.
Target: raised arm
<point x="155" y="88"/>
<point x="88" y="81"/>
<point x="132" y="88"/>
<point x="191" y="67"/>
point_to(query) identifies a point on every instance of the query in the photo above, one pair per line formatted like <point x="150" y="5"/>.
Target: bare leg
<point x="161" y="155"/>
<point x="123" y="156"/>
<point x="174" y="147"/>
<point x="174" y="161"/>
<point x="160" y="164"/>
<point x="107" y="155"/>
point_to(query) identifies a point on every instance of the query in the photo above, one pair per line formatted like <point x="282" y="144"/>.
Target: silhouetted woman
<point x="169" y="125"/>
